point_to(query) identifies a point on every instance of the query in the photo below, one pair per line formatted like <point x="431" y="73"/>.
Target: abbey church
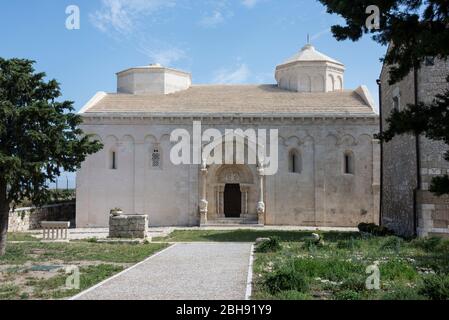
<point x="328" y="160"/>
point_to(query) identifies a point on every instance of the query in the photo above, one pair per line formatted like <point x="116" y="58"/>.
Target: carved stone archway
<point x="237" y="175"/>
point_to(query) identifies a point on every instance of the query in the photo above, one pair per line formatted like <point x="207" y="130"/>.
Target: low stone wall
<point x="433" y="214"/>
<point x="25" y="219"/>
<point x="128" y="226"/>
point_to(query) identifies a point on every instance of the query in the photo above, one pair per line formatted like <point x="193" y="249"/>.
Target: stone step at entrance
<point x="232" y="222"/>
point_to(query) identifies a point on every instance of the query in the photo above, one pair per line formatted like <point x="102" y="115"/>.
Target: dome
<point x="309" y="53"/>
<point x="310" y="71"/>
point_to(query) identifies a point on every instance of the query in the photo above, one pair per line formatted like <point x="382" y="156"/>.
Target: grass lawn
<point x="36" y="270"/>
<point x="243" y="235"/>
<point x="336" y="269"/>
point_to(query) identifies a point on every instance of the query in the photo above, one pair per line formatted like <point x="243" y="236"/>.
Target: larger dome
<point x="310" y="71"/>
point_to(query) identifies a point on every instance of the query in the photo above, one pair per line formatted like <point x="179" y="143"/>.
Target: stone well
<point x="128" y="226"/>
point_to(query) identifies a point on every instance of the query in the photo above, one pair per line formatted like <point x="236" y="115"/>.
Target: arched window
<point x="283" y="83"/>
<point x="113" y="160"/>
<point x="156" y="157"/>
<point x="331" y="83"/>
<point x="294" y="162"/>
<point x="348" y="162"/>
<point x="339" y="83"/>
<point x="305" y="84"/>
<point x="293" y="84"/>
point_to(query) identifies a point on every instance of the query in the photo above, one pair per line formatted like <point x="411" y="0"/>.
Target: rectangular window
<point x="349" y="164"/>
<point x="396" y="103"/>
<point x="156" y="159"/>
<point x="294" y="162"/>
<point x="347" y="160"/>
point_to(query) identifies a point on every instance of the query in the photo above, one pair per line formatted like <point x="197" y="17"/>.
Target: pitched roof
<point x="233" y="100"/>
<point x="309" y="53"/>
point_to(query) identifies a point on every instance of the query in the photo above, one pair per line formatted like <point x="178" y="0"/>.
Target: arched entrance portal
<point x="232" y="200"/>
<point x="233" y="185"/>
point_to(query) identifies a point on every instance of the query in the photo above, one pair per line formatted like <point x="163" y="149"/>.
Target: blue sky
<point x="226" y="41"/>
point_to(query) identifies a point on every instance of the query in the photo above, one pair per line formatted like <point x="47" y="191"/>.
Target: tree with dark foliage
<point x="416" y="30"/>
<point x="39" y="137"/>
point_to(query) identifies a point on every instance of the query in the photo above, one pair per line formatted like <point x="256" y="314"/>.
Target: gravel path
<point x="185" y="271"/>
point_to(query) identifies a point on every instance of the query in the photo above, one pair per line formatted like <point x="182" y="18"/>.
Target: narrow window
<point x="156" y="158"/>
<point x="349" y="163"/>
<point x="397" y="99"/>
<point x="294" y="162"/>
<point x="113" y="160"/>
<point x="396" y="103"/>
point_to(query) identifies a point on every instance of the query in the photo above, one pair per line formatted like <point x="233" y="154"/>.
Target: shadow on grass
<point x="244" y="235"/>
<point x="21" y="236"/>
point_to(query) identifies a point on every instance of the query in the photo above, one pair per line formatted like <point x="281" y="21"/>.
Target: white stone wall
<point x="320" y="195"/>
<point x="135" y="186"/>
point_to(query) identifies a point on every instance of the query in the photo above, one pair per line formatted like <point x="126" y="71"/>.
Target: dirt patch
<point x="27" y="276"/>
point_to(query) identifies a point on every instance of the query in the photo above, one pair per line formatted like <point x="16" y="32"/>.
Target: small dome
<point x="309" y="53"/>
<point x="310" y="71"/>
<point x="152" y="79"/>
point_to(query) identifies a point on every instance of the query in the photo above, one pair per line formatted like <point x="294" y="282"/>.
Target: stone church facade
<point x="409" y="162"/>
<point x="328" y="160"/>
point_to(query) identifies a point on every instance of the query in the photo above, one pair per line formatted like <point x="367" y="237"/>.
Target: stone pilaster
<point x="203" y="201"/>
<point x="261" y="203"/>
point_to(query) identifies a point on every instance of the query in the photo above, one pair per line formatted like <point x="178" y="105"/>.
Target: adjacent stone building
<point x="409" y="162"/>
<point x="328" y="160"/>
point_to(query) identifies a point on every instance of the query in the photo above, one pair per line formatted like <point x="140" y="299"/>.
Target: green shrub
<point x="293" y="295"/>
<point x="333" y="269"/>
<point x="428" y="244"/>
<point x="347" y="295"/>
<point x="396" y="269"/>
<point x="348" y="244"/>
<point x="392" y="243"/>
<point x="310" y="246"/>
<point x="356" y="283"/>
<point x="435" y="287"/>
<point x="9" y="291"/>
<point x="286" y="278"/>
<point x="402" y="293"/>
<point x="374" y="229"/>
<point x="271" y="245"/>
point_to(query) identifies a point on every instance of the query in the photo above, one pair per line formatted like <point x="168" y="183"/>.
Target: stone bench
<point x="55" y="230"/>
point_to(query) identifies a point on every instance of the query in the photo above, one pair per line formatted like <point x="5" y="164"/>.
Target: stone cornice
<point x="312" y="63"/>
<point x="127" y="118"/>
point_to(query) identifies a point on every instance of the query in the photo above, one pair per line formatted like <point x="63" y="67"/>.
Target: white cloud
<point x="123" y="21"/>
<point x="212" y="20"/>
<point x="320" y="34"/>
<point x="165" y="57"/>
<point x="240" y="74"/>
<point x="250" y="3"/>
<point x="122" y="15"/>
